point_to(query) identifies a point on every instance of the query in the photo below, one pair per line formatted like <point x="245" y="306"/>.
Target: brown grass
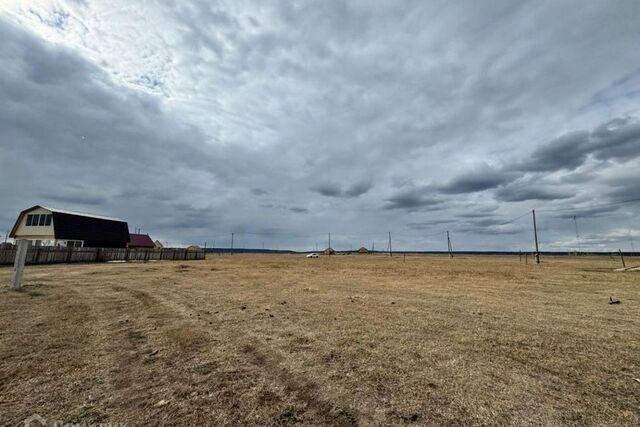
<point x="342" y="340"/>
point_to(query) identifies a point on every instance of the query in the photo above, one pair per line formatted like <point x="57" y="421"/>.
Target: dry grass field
<point x="342" y="340"/>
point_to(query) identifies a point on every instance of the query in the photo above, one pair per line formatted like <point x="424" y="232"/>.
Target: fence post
<point x="69" y="252"/>
<point x="22" y="246"/>
<point x="622" y="258"/>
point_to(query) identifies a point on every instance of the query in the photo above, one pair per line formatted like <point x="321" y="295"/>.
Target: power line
<point x="603" y="205"/>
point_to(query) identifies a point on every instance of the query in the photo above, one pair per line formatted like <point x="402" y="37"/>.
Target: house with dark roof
<point x="57" y="227"/>
<point x="140" y="241"/>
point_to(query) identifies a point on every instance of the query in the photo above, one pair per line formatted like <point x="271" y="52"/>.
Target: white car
<point x="313" y="255"/>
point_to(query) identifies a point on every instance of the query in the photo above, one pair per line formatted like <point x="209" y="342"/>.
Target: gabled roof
<point x="76" y="213"/>
<point x="73" y="225"/>
<point x="140" y="240"/>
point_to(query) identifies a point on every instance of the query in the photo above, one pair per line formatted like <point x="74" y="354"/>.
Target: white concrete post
<point x="18" y="266"/>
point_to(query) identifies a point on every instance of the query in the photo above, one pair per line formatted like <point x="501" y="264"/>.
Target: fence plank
<point x="60" y="255"/>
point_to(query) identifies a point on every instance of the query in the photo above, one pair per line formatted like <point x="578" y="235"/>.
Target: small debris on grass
<point x="153" y="353"/>
<point x="637" y="379"/>
<point x="270" y="315"/>
<point x="393" y="302"/>
<point x="614" y="300"/>
<point x="243" y="307"/>
<point x="410" y="418"/>
<point x="162" y="403"/>
<point x="283" y="303"/>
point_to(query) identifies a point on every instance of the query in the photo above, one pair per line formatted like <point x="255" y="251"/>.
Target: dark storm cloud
<point x="617" y="139"/>
<point x="480" y="179"/>
<point x="414" y="198"/>
<point x="531" y="191"/>
<point x="68" y="119"/>
<point x="299" y="210"/>
<point x="565" y="152"/>
<point x="427" y="225"/>
<point x="587" y="212"/>
<point x="329" y="189"/>
<point x="332" y="189"/>
<point x="358" y="189"/>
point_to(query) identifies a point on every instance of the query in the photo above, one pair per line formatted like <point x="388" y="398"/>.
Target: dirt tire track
<point x="303" y="390"/>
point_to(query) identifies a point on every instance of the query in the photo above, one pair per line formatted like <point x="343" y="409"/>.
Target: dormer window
<point x="37" y="220"/>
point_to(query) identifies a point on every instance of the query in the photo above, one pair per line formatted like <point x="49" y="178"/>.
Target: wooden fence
<point x="55" y="255"/>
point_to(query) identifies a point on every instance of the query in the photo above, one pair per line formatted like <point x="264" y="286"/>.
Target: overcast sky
<point x="282" y="121"/>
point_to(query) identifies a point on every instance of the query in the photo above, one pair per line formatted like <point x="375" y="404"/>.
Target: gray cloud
<point x="299" y="210"/>
<point x="198" y="118"/>
<point x="565" y="152"/>
<point x="479" y="179"/>
<point x="414" y="198"/>
<point x="332" y="189"/>
<point x="531" y="191"/>
<point x="617" y="139"/>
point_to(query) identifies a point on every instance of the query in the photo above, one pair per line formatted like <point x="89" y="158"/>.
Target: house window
<point x="37" y="220"/>
<point x="74" y="243"/>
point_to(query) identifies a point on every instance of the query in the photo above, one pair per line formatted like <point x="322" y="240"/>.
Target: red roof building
<point x="140" y="241"/>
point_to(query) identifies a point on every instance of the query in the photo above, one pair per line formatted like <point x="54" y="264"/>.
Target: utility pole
<point x="232" y="234"/>
<point x="575" y="220"/>
<point x="6" y="235"/>
<point x="633" y="249"/>
<point x="622" y="258"/>
<point x="329" y="240"/>
<point x="535" y="235"/>
<point x="450" y="249"/>
<point x="390" y="251"/>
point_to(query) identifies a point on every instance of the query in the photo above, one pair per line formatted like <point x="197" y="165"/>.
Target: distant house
<point x="140" y="241"/>
<point x="158" y="244"/>
<point x="193" y="248"/>
<point x="363" y="250"/>
<point x="6" y="245"/>
<point x="329" y="251"/>
<point x="56" y="227"/>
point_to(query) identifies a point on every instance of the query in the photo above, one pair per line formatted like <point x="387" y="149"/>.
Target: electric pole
<point x="232" y="234"/>
<point x="390" y="251"/>
<point x="449" y="247"/>
<point x="535" y="235"/>
<point x="575" y="220"/>
<point x="329" y="240"/>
